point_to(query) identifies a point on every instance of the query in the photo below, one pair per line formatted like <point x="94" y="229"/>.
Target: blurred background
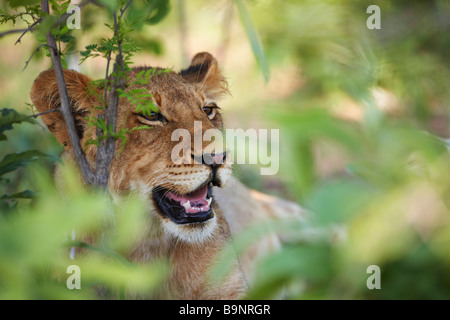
<point x="364" y="129"/>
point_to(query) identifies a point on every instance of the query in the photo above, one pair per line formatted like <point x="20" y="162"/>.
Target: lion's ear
<point x="45" y="96"/>
<point x="204" y="72"/>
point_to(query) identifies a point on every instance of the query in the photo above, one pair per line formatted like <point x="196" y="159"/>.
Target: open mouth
<point x="188" y="208"/>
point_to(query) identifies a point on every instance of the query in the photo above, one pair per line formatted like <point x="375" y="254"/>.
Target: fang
<point x="187" y="205"/>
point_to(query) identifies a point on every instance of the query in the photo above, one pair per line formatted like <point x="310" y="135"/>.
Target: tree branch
<point x="4" y="33"/>
<point x="80" y="157"/>
<point x="106" y="149"/>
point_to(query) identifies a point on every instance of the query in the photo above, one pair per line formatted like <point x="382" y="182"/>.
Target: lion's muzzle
<point x="193" y="207"/>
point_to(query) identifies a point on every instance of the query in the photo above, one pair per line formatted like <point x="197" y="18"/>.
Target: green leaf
<point x="18" y="3"/>
<point x="47" y="24"/>
<point x="64" y="64"/>
<point x="103" y="250"/>
<point x="337" y="202"/>
<point x="312" y="262"/>
<point x="310" y="124"/>
<point x="139" y="75"/>
<point x="15" y="161"/>
<point x="158" y="10"/>
<point x="111" y="5"/>
<point x="26" y="194"/>
<point x="66" y="38"/>
<point x="9" y="117"/>
<point x="255" y="43"/>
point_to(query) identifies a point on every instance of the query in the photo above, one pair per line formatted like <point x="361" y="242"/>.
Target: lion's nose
<point x="213" y="160"/>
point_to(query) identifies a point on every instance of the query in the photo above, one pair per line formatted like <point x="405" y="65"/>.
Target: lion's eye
<point x="210" y="110"/>
<point x="151" y="117"/>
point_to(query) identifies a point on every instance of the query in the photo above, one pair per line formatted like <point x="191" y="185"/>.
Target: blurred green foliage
<point x="389" y="204"/>
<point x="372" y="104"/>
<point x="36" y="237"/>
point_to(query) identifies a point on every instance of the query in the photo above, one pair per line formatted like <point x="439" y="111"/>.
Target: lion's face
<point x="176" y="181"/>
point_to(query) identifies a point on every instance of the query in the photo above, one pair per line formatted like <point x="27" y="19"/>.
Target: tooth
<point x="187" y="205"/>
<point x="209" y="201"/>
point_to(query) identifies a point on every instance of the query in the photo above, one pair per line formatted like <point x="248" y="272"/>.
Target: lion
<point x="195" y="208"/>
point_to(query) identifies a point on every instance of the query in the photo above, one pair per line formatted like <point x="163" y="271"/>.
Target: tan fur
<point x="146" y="163"/>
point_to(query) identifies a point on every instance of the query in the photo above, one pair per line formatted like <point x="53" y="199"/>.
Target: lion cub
<point x="195" y="206"/>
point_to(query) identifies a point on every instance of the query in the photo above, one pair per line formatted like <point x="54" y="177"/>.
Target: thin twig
<point x="119" y="42"/>
<point x="105" y="91"/>
<point x="45" y="112"/>
<point x="34" y="52"/>
<point x="28" y="29"/>
<point x="4" y="33"/>
<point x="122" y="11"/>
